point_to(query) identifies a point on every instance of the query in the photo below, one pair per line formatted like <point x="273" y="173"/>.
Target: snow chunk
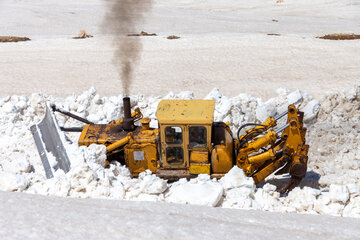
<point x="8" y="107"/>
<point x="311" y="110"/>
<point x="236" y="178"/>
<point x="267" y="198"/>
<point x="339" y="193"/>
<point x="215" y="94"/>
<point x="353" y="208"/>
<point x="151" y="184"/>
<point x="17" y="165"/>
<point x="95" y="154"/>
<point x="241" y="197"/>
<point x="353" y="188"/>
<point x="197" y="192"/>
<point x="264" y="111"/>
<point x="295" y="97"/>
<point x="352" y="93"/>
<point x="12" y="182"/>
<point x="302" y="199"/>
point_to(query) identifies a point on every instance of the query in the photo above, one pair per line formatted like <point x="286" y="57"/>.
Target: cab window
<point x="173" y="135"/>
<point x="174" y="155"/>
<point x="197" y="137"/>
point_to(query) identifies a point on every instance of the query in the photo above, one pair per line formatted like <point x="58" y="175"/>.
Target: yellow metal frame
<point x="194" y="112"/>
<point x="200" y="168"/>
<point x="185" y="144"/>
<point x="141" y="152"/>
<point x="294" y="150"/>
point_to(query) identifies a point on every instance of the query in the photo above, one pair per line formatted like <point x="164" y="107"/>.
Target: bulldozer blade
<point x="50" y="145"/>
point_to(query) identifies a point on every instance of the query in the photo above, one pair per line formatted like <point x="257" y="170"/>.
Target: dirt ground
<point x="340" y="36"/>
<point x="13" y="39"/>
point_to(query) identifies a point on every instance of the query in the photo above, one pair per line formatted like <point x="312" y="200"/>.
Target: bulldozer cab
<point x="185" y="132"/>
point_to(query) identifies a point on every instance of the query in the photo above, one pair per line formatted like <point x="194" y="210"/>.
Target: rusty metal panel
<point x="186" y="111"/>
<point x="199" y="168"/>
<point x="173" y="174"/>
<point x="199" y="157"/>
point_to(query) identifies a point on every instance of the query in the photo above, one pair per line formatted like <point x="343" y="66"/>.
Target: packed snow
<point x="28" y="216"/>
<point x="332" y="185"/>
<point x="223" y="44"/>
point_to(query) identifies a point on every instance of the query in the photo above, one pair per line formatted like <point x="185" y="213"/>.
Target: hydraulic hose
<point x="248" y="138"/>
<point x="246" y="125"/>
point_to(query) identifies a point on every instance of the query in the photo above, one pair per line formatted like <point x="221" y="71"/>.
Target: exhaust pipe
<point x="128" y="122"/>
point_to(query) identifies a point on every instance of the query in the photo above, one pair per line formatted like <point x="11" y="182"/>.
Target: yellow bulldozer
<point x="186" y="143"/>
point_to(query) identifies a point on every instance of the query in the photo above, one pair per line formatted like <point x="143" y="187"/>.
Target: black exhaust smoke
<point x="128" y="122"/>
<point x="122" y="18"/>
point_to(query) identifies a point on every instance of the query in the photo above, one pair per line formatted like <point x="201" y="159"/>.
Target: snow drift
<point x="332" y="185"/>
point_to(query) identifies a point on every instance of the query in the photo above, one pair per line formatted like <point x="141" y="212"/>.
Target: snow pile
<point x="89" y="178"/>
<point x="193" y="191"/>
<point x="239" y="190"/>
<point x="333" y="136"/>
<point x="12" y="181"/>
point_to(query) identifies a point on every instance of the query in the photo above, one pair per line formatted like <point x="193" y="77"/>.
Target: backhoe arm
<point x="262" y="151"/>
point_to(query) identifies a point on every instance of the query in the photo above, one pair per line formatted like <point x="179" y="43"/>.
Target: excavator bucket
<point x="48" y="140"/>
